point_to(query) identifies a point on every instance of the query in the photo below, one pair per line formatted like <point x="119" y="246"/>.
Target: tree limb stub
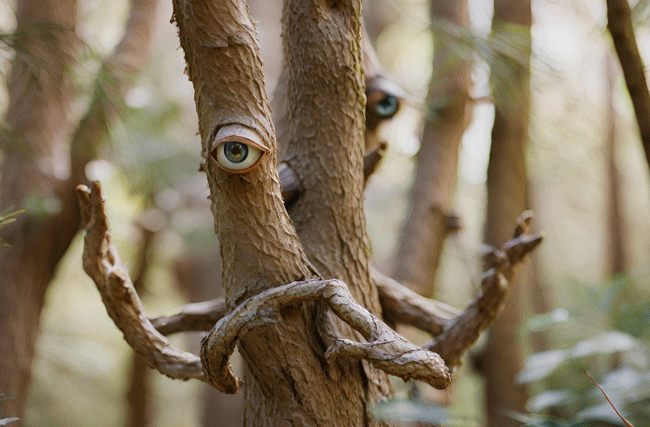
<point x="385" y="349"/>
<point x="291" y="186"/>
<point x="101" y="262"/>
<point x="464" y="330"/>
<point x="199" y="316"/>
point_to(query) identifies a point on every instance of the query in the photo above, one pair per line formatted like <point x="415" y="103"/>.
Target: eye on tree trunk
<point x="301" y="302"/>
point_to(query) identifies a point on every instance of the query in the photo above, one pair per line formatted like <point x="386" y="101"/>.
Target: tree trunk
<point x="448" y="114"/>
<point x="200" y="273"/>
<point x="42" y="165"/>
<point x="33" y="152"/>
<point x="260" y="250"/>
<point x="507" y="198"/>
<point x="326" y="153"/>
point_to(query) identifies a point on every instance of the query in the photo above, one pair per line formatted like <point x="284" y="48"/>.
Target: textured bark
<point x="447" y="117"/>
<point x="619" y="24"/>
<point x="35" y="166"/>
<point x="39" y="96"/>
<point x="284" y="361"/>
<point x="325" y="150"/>
<point x="507" y="198"/>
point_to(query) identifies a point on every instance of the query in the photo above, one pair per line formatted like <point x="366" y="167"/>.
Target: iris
<point x="236" y="152"/>
<point x="387" y="106"/>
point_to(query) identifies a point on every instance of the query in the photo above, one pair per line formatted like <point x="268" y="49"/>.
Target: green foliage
<point x="7" y="218"/>
<point x="409" y="409"/>
<point x="619" y="356"/>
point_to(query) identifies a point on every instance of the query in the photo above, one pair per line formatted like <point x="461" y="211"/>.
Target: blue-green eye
<point x="235" y="155"/>
<point x="237" y="149"/>
<point x="387" y="107"/>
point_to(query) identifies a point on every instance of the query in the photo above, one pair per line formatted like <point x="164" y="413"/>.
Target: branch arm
<point x="385" y="349"/>
<point x="402" y="305"/>
<point x="464" y="330"/>
<point x="101" y="262"/>
<point x="199" y="316"/>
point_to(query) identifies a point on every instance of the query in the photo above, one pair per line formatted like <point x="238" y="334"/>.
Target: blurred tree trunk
<point x="616" y="251"/>
<point x="34" y="158"/>
<point x="447" y="116"/>
<point x="138" y="394"/>
<point x="539" y="301"/>
<point x="43" y="161"/>
<point x="199" y="272"/>
<point x="507" y="199"/>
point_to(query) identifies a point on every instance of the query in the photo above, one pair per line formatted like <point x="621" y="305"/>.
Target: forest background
<point x="594" y="312"/>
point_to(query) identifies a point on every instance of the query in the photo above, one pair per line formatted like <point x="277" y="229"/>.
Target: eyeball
<point x="383" y="98"/>
<point x="387" y="106"/>
<point x="239" y="151"/>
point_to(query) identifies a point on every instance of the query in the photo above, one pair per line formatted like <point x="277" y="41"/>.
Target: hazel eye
<point x="387" y="106"/>
<point x="239" y="151"/>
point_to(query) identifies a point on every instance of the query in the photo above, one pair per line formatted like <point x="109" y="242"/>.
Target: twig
<point x="627" y="423"/>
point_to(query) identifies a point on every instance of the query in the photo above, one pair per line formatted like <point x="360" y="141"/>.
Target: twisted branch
<point x="101" y="262"/>
<point x="385" y="349"/>
<point x="463" y="331"/>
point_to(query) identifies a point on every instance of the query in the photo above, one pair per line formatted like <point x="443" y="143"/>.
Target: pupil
<point x="387" y="106"/>
<point x="236" y="152"/>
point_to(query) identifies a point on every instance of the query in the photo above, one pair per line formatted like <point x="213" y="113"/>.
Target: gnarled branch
<point x="385" y="349"/>
<point x="101" y="262"/>
<point x="464" y="330"/>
